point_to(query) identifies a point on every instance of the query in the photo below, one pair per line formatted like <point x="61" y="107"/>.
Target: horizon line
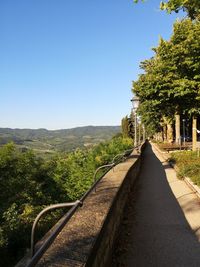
<point x="58" y="129"/>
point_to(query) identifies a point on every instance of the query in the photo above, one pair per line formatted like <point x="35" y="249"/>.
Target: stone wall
<point x="100" y="255"/>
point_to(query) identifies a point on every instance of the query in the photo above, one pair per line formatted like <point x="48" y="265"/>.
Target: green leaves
<point x="171" y="78"/>
<point x="11" y="217"/>
<point x="127" y="125"/>
<point x="191" y="7"/>
<point x="74" y="171"/>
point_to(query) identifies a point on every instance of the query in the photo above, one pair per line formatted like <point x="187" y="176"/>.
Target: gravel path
<point x="154" y="231"/>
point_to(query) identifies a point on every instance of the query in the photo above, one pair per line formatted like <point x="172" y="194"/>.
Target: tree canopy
<point x="171" y="79"/>
<point x="191" y="7"/>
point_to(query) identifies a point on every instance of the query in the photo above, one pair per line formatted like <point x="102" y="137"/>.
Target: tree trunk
<point x="165" y="133"/>
<point x="177" y="129"/>
<point x="169" y="133"/>
<point x="194" y="133"/>
<point x="169" y="129"/>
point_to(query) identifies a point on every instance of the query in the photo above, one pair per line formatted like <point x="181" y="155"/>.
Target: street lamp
<point x="135" y="102"/>
<point x="139" y="129"/>
<point x="143" y="133"/>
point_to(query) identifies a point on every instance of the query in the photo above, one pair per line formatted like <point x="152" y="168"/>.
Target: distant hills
<point x="45" y="141"/>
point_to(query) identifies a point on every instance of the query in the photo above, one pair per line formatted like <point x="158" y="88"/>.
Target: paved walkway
<point x="155" y="231"/>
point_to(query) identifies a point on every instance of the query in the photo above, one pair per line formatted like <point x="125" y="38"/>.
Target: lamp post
<point x="139" y="129"/>
<point x="143" y="133"/>
<point x="135" y="103"/>
<point x="183" y="131"/>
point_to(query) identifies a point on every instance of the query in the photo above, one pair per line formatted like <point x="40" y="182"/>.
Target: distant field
<point x="45" y="142"/>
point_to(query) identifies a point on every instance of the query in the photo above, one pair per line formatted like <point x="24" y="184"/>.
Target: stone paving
<point x="162" y="219"/>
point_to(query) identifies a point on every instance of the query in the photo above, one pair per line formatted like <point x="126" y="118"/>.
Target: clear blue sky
<point x="68" y="63"/>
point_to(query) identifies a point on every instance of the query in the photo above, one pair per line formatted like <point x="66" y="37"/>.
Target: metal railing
<point x="39" y="253"/>
<point x="100" y="168"/>
<point x="118" y="156"/>
<point x="75" y="205"/>
<point x="52" y="207"/>
<point x="114" y="162"/>
<point x="123" y="155"/>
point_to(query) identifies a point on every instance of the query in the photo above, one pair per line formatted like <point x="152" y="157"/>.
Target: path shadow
<point x="155" y="232"/>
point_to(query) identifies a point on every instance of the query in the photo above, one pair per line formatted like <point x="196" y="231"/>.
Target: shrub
<point x="188" y="163"/>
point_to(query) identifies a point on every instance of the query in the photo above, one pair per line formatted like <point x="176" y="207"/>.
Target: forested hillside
<point x="46" y="142"/>
<point x="28" y="183"/>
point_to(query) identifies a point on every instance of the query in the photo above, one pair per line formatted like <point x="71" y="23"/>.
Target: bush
<point x="188" y="163"/>
<point x="74" y="171"/>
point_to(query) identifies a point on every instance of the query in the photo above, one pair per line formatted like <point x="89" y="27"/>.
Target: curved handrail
<point x="124" y="154"/>
<point x="51" y="207"/>
<point x="99" y="168"/>
<point x="118" y="155"/>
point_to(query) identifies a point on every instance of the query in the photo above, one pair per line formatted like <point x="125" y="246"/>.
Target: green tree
<point x="170" y="83"/>
<point x="74" y="171"/>
<point x="191" y="7"/>
<point x="25" y="187"/>
<point x="127" y="126"/>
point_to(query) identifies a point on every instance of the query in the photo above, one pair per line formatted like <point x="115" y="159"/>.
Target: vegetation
<point x="29" y="183"/>
<point x="170" y="84"/>
<point x="127" y="125"/>
<point x="191" y="7"/>
<point x="47" y="143"/>
<point x="188" y="164"/>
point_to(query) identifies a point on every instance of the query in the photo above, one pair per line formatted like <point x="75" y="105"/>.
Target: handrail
<point x="51" y="207"/>
<point x="38" y="254"/>
<point x="129" y="150"/>
<point x="99" y="168"/>
<point x="118" y="155"/>
<point x="111" y="164"/>
<point x="124" y="155"/>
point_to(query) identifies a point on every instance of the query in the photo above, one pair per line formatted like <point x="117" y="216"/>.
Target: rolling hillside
<point x="44" y="141"/>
